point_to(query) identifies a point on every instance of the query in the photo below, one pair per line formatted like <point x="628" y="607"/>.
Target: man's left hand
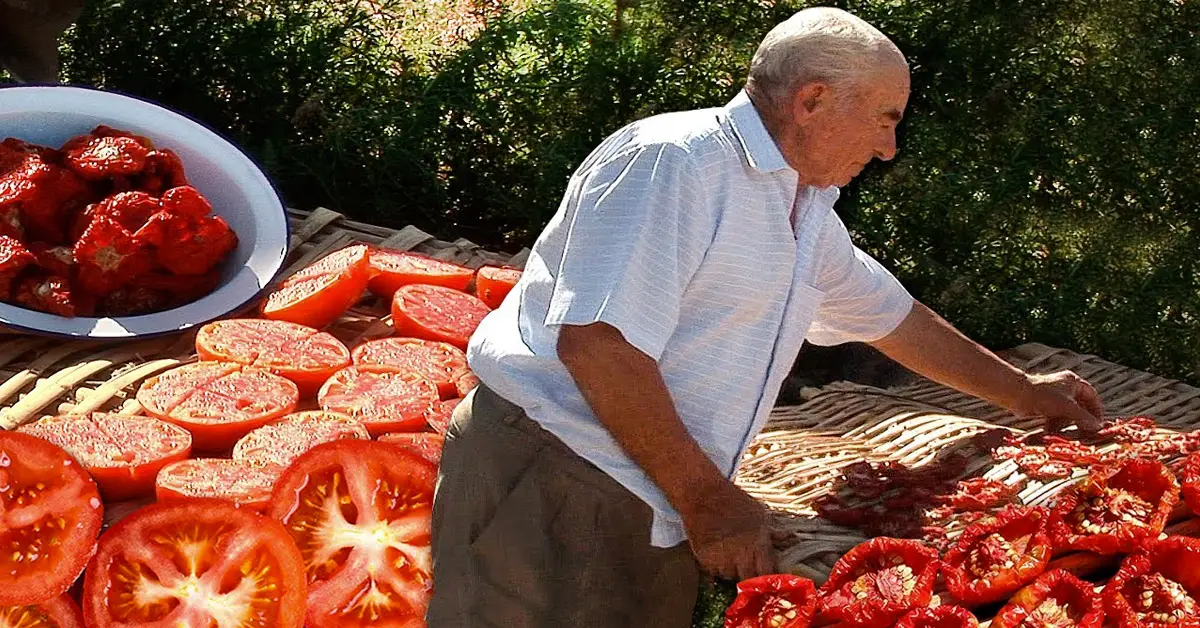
<point x="1063" y="398"/>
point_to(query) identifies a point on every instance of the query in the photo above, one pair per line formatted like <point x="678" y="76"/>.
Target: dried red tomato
<point x="982" y="494"/>
<point x="189" y="246"/>
<point x="99" y="158"/>
<point x="55" y="260"/>
<point x="994" y="558"/>
<point x="772" y="601"/>
<point x="43" y="193"/>
<point x="180" y="288"/>
<point x="186" y="201"/>
<point x="938" y="617"/>
<point x="878" y="581"/>
<point x="1114" y="509"/>
<point x="1189" y="477"/>
<point x="1158" y="586"/>
<point x="132" y="300"/>
<point x="10" y="222"/>
<point x="164" y="170"/>
<point x="47" y="294"/>
<point x="107" y="257"/>
<point x="131" y="210"/>
<point x="14" y="257"/>
<point x="104" y="130"/>
<point x="46" y="153"/>
<point x="1056" y="599"/>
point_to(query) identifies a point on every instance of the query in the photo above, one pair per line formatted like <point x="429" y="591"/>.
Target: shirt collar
<point x="761" y="151"/>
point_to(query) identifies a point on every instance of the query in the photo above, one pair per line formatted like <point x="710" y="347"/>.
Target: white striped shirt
<point x="677" y="230"/>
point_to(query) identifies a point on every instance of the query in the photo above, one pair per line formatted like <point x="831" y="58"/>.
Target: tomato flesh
<point x="1111" y="511"/>
<point x="391" y="270"/>
<point x="493" y="283"/>
<point x="244" y="483"/>
<point x="383" y="402"/>
<point x="439" y="362"/>
<point x="58" y="612"/>
<point x="321" y="292"/>
<point x="1157" y="585"/>
<point x="1056" y="599"/>
<point x="302" y="354"/>
<point x="938" y="617"/>
<point x="437" y="313"/>
<point x="776" y="600"/>
<point x="199" y="562"/>
<point x="283" y="441"/>
<point x="878" y="581"/>
<point x="995" y="558"/>
<point x="427" y="445"/>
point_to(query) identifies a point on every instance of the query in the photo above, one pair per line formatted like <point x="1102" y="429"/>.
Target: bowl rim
<point x="267" y="285"/>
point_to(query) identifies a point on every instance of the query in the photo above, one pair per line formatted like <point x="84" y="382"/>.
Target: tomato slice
<point x="439" y="362"/>
<point x="437" y="313"/>
<point x="360" y="511"/>
<point x="775" y="600"/>
<point x="51" y="514"/>
<point x="438" y="415"/>
<point x="1159" y="585"/>
<point x="302" y="354"/>
<point x="321" y="292"/>
<point x="391" y="270"/>
<point x="217" y="402"/>
<point x="1114" y="509"/>
<point x="879" y="581"/>
<point x="123" y="454"/>
<point x="938" y="617"/>
<point x="1189" y="478"/>
<point x="57" y="612"/>
<point x="283" y="441"/>
<point x="493" y="283"/>
<point x="242" y="482"/>
<point x="465" y="383"/>
<point x="383" y="402"/>
<point x="199" y="562"/>
<point x="1056" y="599"/>
<point x="427" y="445"/>
<point x="995" y="558"/>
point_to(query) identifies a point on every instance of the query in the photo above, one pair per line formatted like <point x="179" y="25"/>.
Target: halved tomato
<point x="437" y="313"/>
<point x="440" y="362"/>
<point x="199" y="562"/>
<point x="360" y="511"/>
<point x="51" y="516"/>
<point x="122" y="453"/>
<point x="302" y="354"/>
<point x="465" y="383"/>
<point x="427" y="445"/>
<point x="282" y="441"/>
<point x="383" y="402"/>
<point x="390" y="270"/>
<point x="438" y="415"/>
<point x="58" y="612"/>
<point x="321" y="292"/>
<point x="242" y="482"/>
<point x="493" y="283"/>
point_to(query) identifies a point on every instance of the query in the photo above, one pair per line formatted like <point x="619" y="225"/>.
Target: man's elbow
<point x="580" y="343"/>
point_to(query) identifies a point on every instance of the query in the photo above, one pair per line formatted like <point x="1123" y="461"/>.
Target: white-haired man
<point x="587" y="481"/>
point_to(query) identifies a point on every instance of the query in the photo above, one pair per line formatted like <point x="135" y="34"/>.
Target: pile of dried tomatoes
<point x="105" y="225"/>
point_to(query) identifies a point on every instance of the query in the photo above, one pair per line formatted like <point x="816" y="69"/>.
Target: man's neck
<point x="776" y="126"/>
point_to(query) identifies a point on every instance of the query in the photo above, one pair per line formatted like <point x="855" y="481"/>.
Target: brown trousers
<point x="528" y="534"/>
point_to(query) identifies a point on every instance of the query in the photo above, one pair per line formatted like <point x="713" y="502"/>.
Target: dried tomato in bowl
<point x="1116" y="508"/>
<point x="1157" y="586"/>
<point x="1189" y="477"/>
<point x="1056" y="599"/>
<point x="775" y="600"/>
<point x="995" y="558"/>
<point x="879" y="581"/>
<point x="938" y="617"/>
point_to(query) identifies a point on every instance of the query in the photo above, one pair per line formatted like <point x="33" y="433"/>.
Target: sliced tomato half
<point x="282" y="441"/>
<point x="427" y="445"/>
<point x="439" y="415"/>
<point x="57" y="612"/>
<point x="50" y="514"/>
<point x="199" y="562"/>
<point x="242" y="482"/>
<point x="775" y="600"/>
<point x="302" y="354"/>
<point x="383" y="402"/>
<point x="493" y="283"/>
<point x="391" y="270"/>
<point x="440" y="362"/>
<point x="360" y="512"/>
<point x="321" y="292"/>
<point x="437" y="313"/>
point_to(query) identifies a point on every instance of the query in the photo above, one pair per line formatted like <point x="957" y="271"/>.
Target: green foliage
<point x="714" y="598"/>
<point x="1046" y="187"/>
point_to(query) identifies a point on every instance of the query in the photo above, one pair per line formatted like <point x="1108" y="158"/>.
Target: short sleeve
<point x="637" y="232"/>
<point x="863" y="301"/>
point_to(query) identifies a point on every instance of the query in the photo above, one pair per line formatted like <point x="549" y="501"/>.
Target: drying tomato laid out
<point x="1158" y="586"/>
<point x="360" y="512"/>
<point x="439" y="415"/>
<point x="439" y="362"/>
<point x="57" y="612"/>
<point x="319" y="293"/>
<point x="427" y="445"/>
<point x="1056" y="599"/>
<point x="437" y="313"/>
<point x="390" y="270"/>
<point x="302" y="354"/>
<point x="465" y="383"/>
<point x="284" y="440"/>
<point x="772" y="601"/>
<point x="217" y="402"/>
<point x="199" y="562"/>
<point x="52" y="514"/>
<point x="493" y="283"/>
<point x="241" y="482"/>
<point x="1189" y="478"/>
<point x="878" y="581"/>
<point x="123" y="454"/>
<point x="992" y="559"/>
<point x="938" y="617"/>
<point x="1114" y="509"/>
<point x="383" y="402"/>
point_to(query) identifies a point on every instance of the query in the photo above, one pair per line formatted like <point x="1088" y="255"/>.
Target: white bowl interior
<point x="237" y="188"/>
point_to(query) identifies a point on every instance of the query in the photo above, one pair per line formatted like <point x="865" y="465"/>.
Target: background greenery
<point x="1046" y="188"/>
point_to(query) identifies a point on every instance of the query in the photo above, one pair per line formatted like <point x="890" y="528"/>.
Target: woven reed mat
<point x="797" y="457"/>
<point x="40" y="376"/>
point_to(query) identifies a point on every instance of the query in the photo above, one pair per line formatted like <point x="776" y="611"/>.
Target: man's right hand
<point x="729" y="534"/>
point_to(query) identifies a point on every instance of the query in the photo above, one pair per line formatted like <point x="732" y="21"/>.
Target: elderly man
<point x="587" y="481"/>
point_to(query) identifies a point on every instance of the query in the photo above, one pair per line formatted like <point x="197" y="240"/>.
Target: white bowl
<point x="237" y="188"/>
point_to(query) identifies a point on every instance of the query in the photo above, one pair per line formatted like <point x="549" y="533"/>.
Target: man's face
<point x="835" y="138"/>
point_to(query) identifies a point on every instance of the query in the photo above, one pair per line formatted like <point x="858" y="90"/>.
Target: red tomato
<point x="321" y="292"/>
<point x="283" y="441"/>
<point x="218" y="410"/>
<point x="383" y="402"/>
<point x="938" y="617"/>
<point x="58" y="612"/>
<point x="438" y="415"/>
<point x="1056" y="599"/>
<point x="439" y="362"/>
<point x="122" y="453"/>
<point x="242" y="482"/>
<point x="465" y="383"/>
<point x="427" y="445"/>
<point x="493" y="283"/>
<point x="392" y="269"/>
<point x="360" y="512"/>
<point x="879" y="581"/>
<point x="1114" y="510"/>
<point x="994" y="558"/>
<point x="776" y="600"/>
<point x="437" y="313"/>
<point x="52" y="514"/>
<point x="302" y="354"/>
<point x="199" y="562"/>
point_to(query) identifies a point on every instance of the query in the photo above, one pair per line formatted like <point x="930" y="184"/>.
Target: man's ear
<point x="810" y="99"/>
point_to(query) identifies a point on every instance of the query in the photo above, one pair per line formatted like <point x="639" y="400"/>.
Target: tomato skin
<point x="938" y="617"/>
<point x="1011" y="524"/>
<point x="1189" y="477"/>
<point x="391" y="270"/>
<point x="493" y="283"/>
<point x="1062" y="587"/>
<point x="321" y="292"/>
<point x="427" y="445"/>
<point x="57" y="612"/>
<point x="437" y="313"/>
<point x="842" y="599"/>
<point x="1142" y="483"/>
<point x="1175" y="558"/>
<point x="776" y="600"/>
